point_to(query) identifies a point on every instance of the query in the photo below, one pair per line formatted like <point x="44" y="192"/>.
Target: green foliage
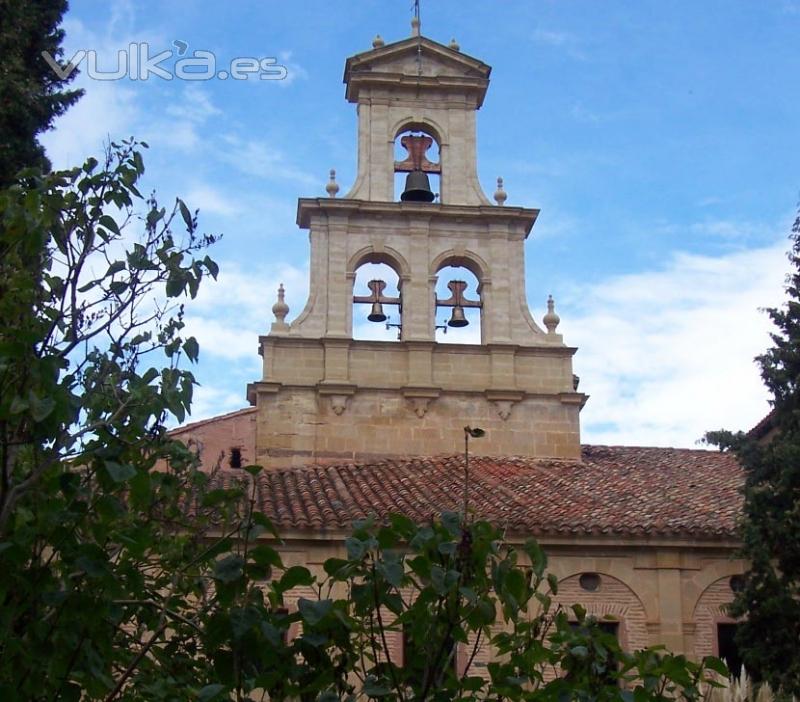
<point x="435" y="586"/>
<point x="98" y="557"/>
<point x="123" y="576"/>
<point x="769" y="602"/>
<point x="31" y="94"/>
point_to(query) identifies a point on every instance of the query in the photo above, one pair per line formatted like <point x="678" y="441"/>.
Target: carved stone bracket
<point x="503" y="401"/>
<point x="503" y="408"/>
<point x="338" y="393"/>
<point x="420" y="398"/>
<point x="339" y="403"/>
<point x="420" y="405"/>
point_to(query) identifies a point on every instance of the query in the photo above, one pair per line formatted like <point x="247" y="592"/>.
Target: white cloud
<point x="563" y="41"/>
<point x="294" y="71"/>
<point x="668" y="355"/>
<point x="209" y="401"/>
<point x="210" y="200"/>
<point x="228" y="315"/>
<point x="196" y="105"/>
<point x="254" y="157"/>
<point x="544" y="36"/>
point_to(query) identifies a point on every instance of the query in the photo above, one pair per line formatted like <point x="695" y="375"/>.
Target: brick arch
<point x="615" y="599"/>
<point x="710" y="610"/>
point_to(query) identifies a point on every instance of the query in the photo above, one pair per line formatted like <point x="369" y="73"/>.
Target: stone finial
<point x="415" y="26"/>
<point x="280" y="309"/>
<point x="378" y="42"/>
<point x="551" y="319"/>
<point x="500" y="195"/>
<point x="454" y="45"/>
<point x="332" y="187"/>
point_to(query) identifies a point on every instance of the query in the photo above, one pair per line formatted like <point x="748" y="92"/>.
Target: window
<point x="236" y="457"/>
<point x="727" y="649"/>
<point x="589" y="582"/>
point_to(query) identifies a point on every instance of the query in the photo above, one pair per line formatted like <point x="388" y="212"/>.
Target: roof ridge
<point x="207" y="420"/>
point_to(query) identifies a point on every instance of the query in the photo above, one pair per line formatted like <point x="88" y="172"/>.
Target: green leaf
<point x="109" y="223"/>
<point x="265" y="556"/>
<point x="18" y="405"/>
<point x="373" y="688"/>
<point x="336" y="566"/>
<point x="219" y="496"/>
<point x="115" y="267"/>
<point x="314" y="611"/>
<point x="263" y="520"/>
<point x="294" y="576"/>
<point x="210" y="692"/>
<point x="211" y="266"/>
<point x="717" y="665"/>
<point x="40" y="407"/>
<point x="120" y="473"/>
<point x="187" y="216"/>
<point x="229" y="569"/>
<point x="392" y="572"/>
<point x="191" y="348"/>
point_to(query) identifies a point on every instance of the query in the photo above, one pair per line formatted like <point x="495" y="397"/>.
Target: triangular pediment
<point x="416" y="58"/>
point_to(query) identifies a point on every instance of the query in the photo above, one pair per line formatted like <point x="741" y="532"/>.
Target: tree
<point x="31" y="92"/>
<point x="769" y="601"/>
<point x="96" y="555"/>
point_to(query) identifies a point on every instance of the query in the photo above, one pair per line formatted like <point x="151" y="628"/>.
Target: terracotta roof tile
<point x="612" y="490"/>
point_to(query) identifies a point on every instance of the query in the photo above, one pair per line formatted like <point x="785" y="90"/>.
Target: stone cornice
<point x="419" y="344"/>
<point x="307" y="207"/>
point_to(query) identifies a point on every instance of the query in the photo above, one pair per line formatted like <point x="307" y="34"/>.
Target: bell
<point x="376" y="315"/>
<point x="457" y="319"/>
<point x="418" y="188"/>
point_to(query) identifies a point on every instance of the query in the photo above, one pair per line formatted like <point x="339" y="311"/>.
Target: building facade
<point x="350" y="427"/>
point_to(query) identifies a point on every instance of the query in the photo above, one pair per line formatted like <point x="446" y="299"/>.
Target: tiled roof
<point x="764" y="427"/>
<point x="612" y="490"/>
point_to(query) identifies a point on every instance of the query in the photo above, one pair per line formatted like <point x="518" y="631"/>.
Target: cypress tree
<point x="32" y="94"/>
<point x="769" y="601"/>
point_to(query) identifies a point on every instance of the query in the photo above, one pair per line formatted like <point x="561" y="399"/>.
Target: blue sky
<point x="659" y="139"/>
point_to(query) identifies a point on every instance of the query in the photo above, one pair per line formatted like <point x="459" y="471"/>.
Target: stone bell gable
<point x="325" y="396"/>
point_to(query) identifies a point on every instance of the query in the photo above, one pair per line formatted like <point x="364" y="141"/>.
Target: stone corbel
<point x="420" y="398"/>
<point x="420" y="405"/>
<point x="504" y="408"/>
<point x="339" y="403"/>
<point x="504" y="400"/>
<point x="338" y="394"/>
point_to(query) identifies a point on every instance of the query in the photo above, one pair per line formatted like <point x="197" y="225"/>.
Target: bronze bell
<point x="418" y="188"/>
<point x="457" y="319"/>
<point x="376" y="315"/>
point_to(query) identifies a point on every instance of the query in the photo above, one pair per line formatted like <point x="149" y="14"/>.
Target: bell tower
<point x="325" y="396"/>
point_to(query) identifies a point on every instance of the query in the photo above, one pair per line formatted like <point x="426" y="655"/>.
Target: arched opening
<point x="377" y="307"/>
<point x="417" y="167"/>
<point x="458" y="306"/>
